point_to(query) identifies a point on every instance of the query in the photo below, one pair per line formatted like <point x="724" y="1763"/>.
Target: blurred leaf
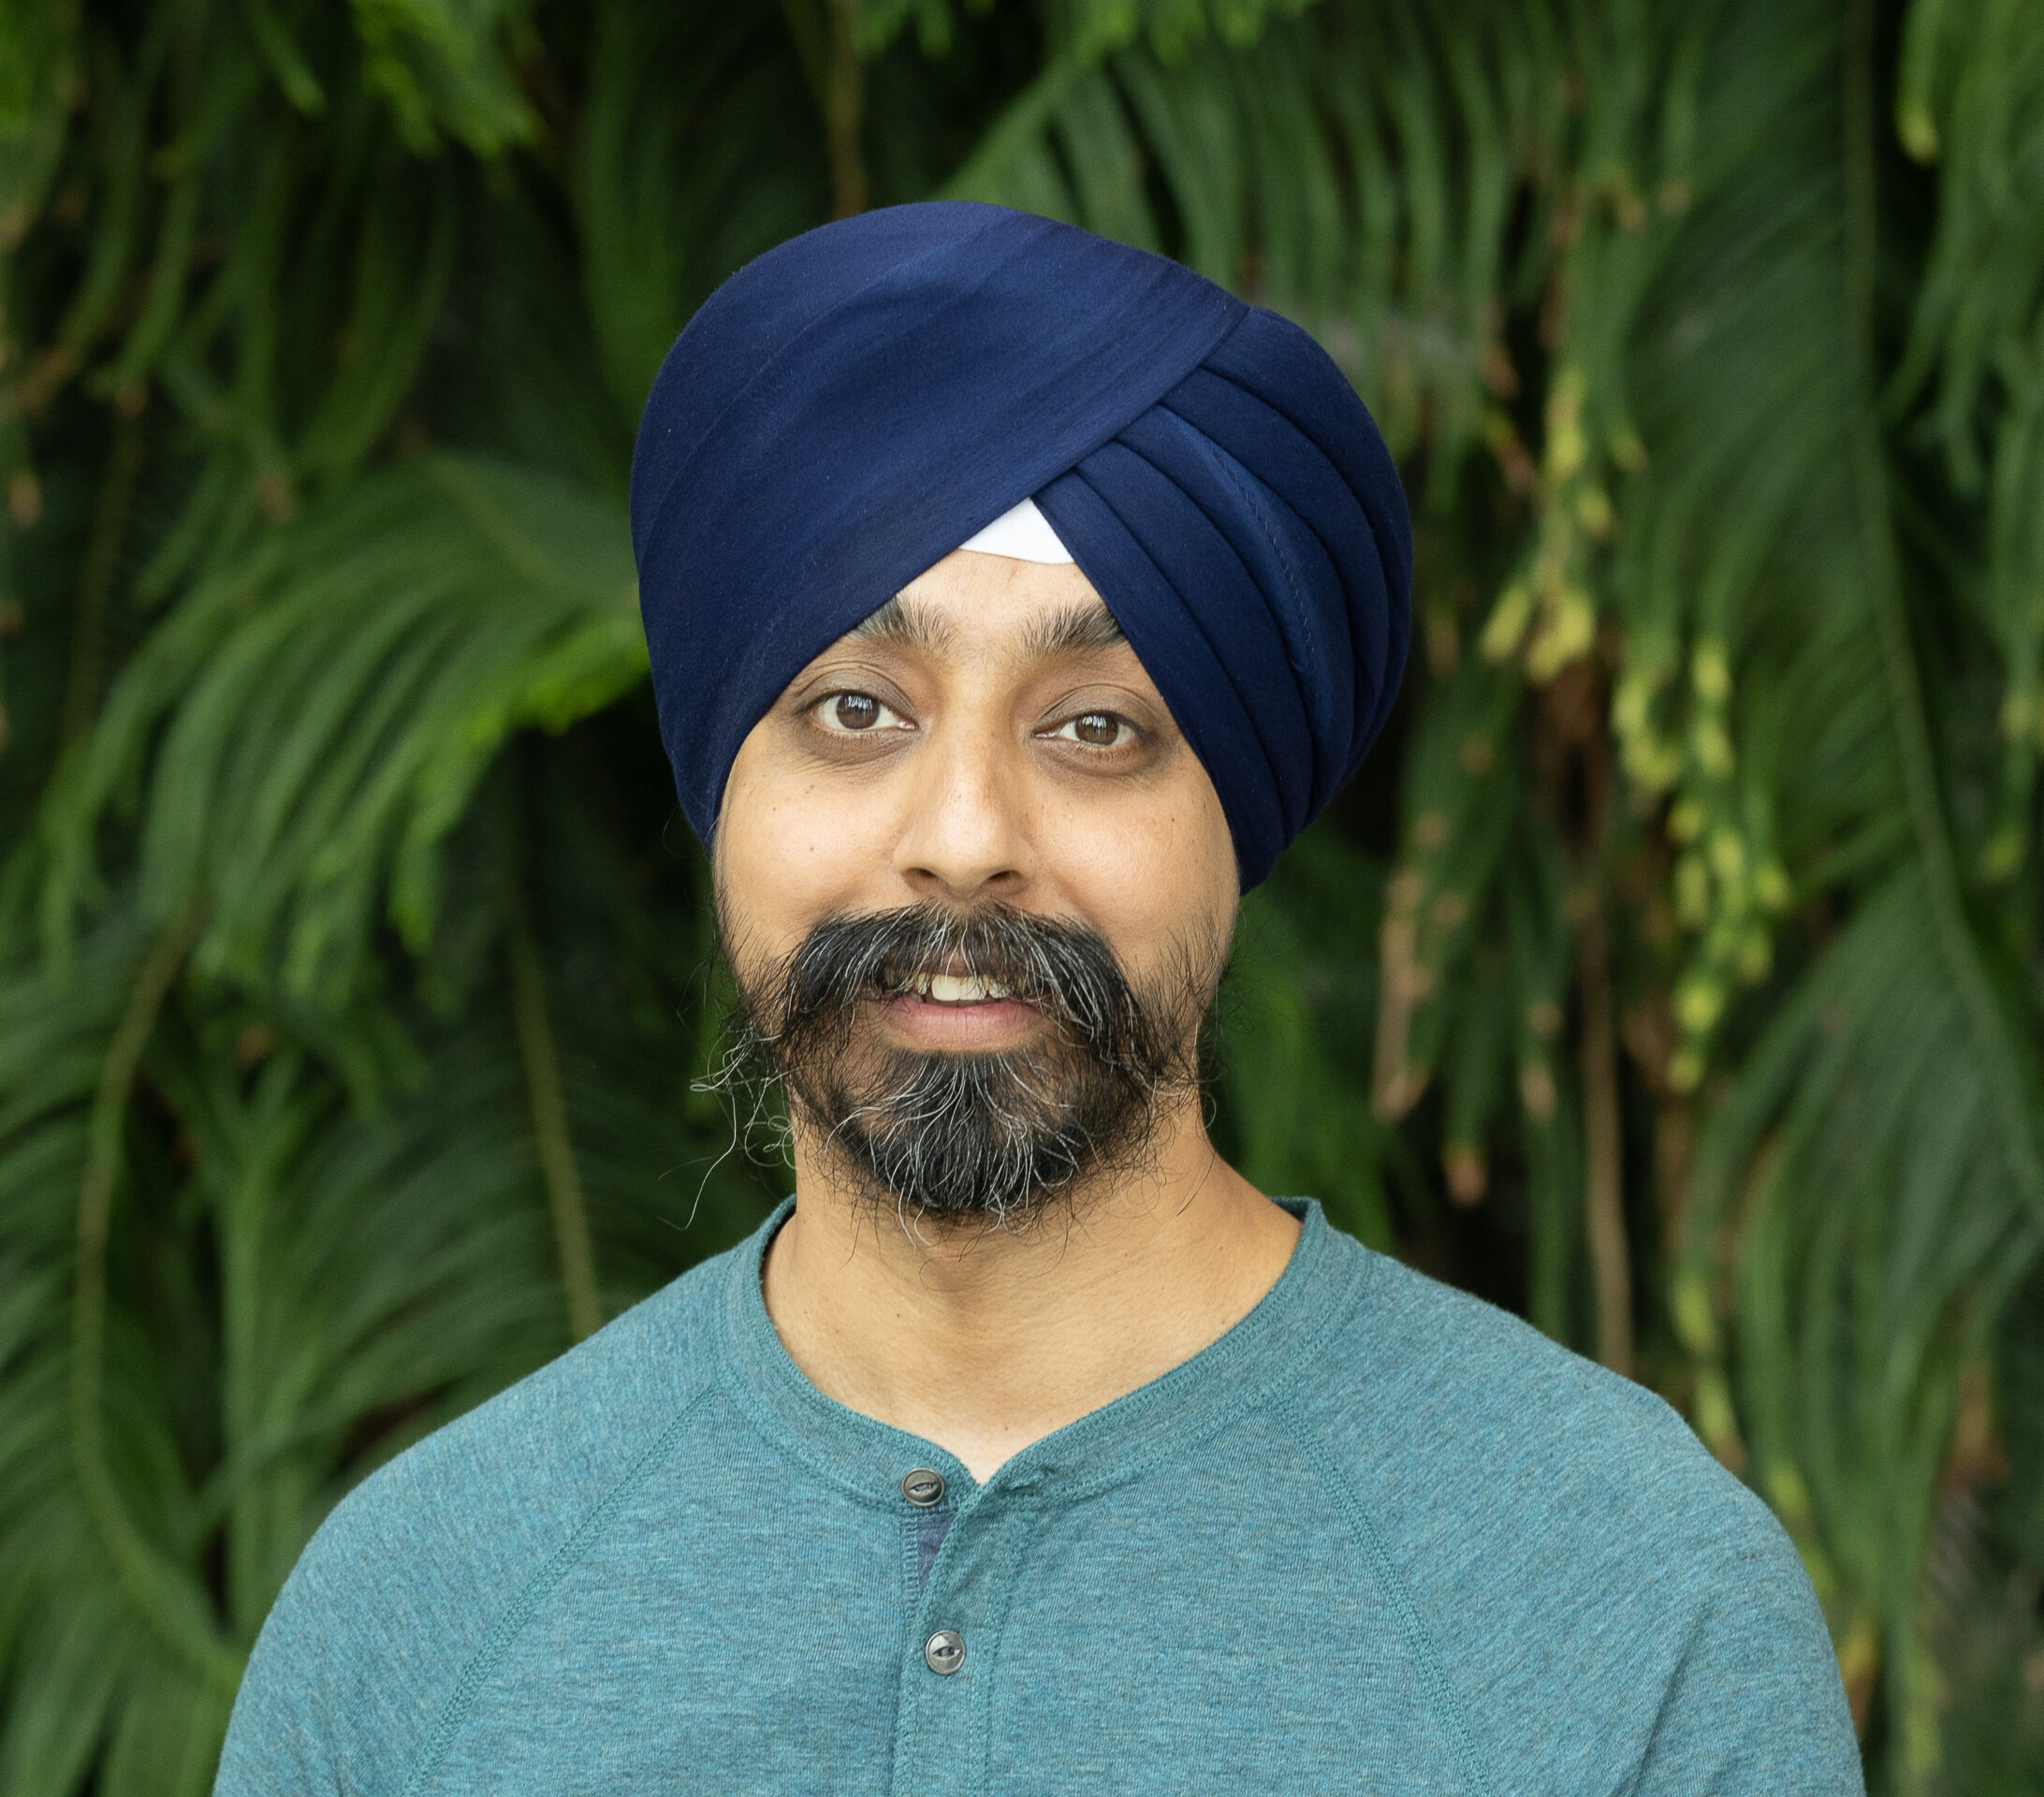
<point x="327" y="705"/>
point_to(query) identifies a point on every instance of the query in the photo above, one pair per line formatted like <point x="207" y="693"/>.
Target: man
<point x="1013" y="598"/>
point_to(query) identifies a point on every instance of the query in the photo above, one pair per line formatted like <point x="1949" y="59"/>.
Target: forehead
<point x="975" y="605"/>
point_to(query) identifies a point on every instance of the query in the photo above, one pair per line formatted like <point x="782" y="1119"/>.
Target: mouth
<point x="949" y="980"/>
<point x="958" y="988"/>
<point x="957" y="1011"/>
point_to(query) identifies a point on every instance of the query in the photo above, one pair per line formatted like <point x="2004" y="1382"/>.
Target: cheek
<point x="1151" y="871"/>
<point x="791" y="846"/>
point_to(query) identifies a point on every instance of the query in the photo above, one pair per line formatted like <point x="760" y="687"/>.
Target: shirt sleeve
<point x="351" y="1667"/>
<point x="1755" y="1707"/>
<point x="280" y="1739"/>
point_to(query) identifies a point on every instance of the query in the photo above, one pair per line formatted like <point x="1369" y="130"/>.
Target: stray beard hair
<point x="955" y="1136"/>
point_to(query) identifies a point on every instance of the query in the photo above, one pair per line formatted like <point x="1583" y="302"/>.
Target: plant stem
<point x="1603" y="1181"/>
<point x="550" y="1128"/>
<point x="844" y="110"/>
<point x="95" y="577"/>
<point x="1573" y="760"/>
<point x="1675" y="1135"/>
<point x="168" y="1600"/>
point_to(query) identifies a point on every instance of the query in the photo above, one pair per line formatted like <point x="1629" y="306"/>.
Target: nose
<point x="966" y="836"/>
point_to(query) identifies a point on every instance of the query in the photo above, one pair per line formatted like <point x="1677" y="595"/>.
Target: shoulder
<point x="1433" y="1391"/>
<point x="1588" y="1572"/>
<point x="562" y="1432"/>
<point x="416" y="1567"/>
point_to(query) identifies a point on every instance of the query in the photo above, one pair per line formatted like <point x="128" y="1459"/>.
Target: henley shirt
<point x="1380" y="1537"/>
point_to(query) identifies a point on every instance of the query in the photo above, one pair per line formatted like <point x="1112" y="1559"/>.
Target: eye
<point x="856" y="714"/>
<point x="1096" y="730"/>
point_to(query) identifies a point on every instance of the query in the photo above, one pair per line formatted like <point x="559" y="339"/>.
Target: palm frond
<point x="329" y="705"/>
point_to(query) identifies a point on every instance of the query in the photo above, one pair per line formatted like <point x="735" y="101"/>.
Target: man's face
<point x="977" y="891"/>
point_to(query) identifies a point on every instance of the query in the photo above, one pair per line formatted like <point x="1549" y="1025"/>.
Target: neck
<point x="984" y="1340"/>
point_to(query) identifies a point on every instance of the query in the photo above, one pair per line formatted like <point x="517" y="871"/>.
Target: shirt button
<point x="943" y="1653"/>
<point x="923" y="1488"/>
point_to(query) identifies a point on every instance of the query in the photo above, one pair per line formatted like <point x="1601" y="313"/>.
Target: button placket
<point x="941" y="1727"/>
<point x="928" y="1519"/>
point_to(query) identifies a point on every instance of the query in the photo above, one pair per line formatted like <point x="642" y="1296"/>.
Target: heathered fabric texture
<point x="1378" y="1537"/>
<point x="850" y="407"/>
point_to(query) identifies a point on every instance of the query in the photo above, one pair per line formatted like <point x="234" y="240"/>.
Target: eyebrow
<point x="909" y="626"/>
<point x="1089" y="625"/>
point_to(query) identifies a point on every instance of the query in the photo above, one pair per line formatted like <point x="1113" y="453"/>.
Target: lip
<point x="985" y="1025"/>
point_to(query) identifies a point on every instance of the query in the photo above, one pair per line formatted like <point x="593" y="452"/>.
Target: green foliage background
<point x="1672" y="973"/>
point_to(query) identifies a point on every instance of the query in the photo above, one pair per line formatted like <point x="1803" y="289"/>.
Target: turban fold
<point x="848" y="408"/>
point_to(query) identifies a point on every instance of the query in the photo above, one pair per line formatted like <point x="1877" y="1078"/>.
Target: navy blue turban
<point x="848" y="409"/>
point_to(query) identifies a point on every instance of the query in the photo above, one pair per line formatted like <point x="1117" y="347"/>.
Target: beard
<point x="995" y="1136"/>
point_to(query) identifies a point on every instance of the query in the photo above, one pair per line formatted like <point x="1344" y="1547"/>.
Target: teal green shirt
<point x="1377" y="1537"/>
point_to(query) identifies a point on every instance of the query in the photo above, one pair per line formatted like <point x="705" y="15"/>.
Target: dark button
<point x="943" y="1653"/>
<point x="923" y="1488"/>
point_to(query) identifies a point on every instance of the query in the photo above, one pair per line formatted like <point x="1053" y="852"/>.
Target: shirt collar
<point x="1319" y="1287"/>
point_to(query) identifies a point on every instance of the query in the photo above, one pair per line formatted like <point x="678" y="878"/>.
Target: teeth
<point x="953" y="988"/>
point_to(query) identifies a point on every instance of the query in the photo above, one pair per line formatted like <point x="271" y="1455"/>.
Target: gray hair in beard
<point x="992" y="1136"/>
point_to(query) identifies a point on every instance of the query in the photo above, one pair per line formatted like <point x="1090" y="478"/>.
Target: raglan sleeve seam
<point x="536" y="1588"/>
<point x="1450" y="1712"/>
